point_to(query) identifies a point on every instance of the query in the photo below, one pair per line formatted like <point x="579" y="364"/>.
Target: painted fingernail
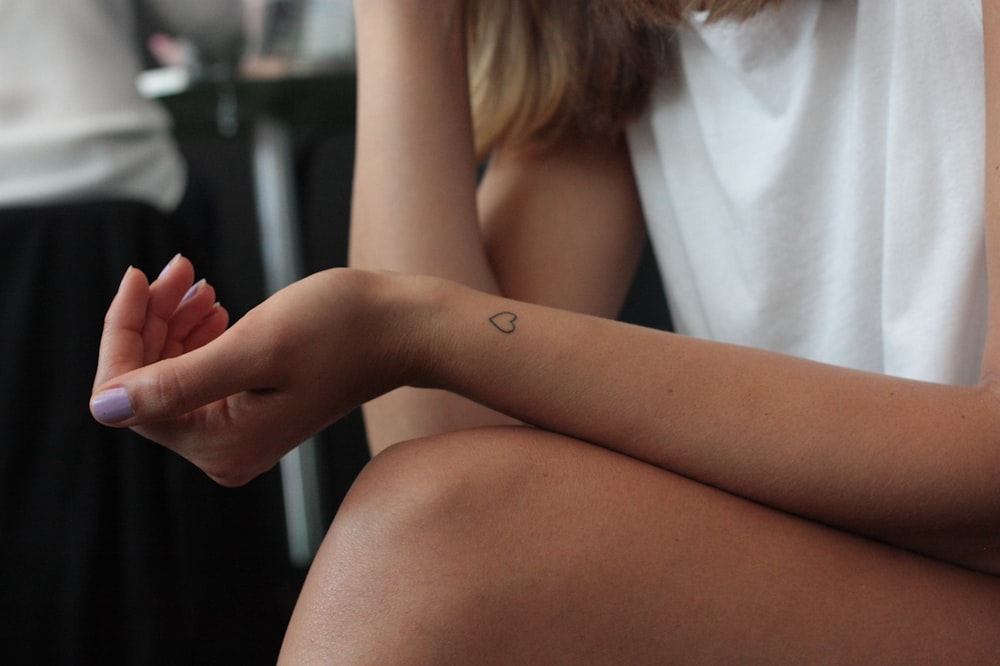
<point x="193" y="290"/>
<point x="169" y="264"/>
<point x="112" y="406"/>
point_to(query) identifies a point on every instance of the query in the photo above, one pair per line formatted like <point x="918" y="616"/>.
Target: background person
<point x="112" y="552"/>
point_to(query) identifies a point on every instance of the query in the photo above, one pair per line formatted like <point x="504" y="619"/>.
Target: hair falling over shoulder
<point x="541" y="68"/>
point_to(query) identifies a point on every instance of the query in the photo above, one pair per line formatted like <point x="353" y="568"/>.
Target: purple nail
<point x="112" y="406"/>
<point x="169" y="264"/>
<point x="193" y="290"/>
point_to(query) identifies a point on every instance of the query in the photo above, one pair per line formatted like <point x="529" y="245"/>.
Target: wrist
<point x="356" y="333"/>
<point x="417" y="312"/>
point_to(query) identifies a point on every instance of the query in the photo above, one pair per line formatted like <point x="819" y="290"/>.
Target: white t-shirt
<point x="73" y="127"/>
<point x="813" y="184"/>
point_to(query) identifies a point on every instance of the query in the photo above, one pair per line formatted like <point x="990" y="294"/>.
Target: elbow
<point x="959" y="521"/>
<point x="977" y="546"/>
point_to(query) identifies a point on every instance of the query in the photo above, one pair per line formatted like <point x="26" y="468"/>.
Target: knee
<point x="445" y="490"/>
<point x="419" y="543"/>
<point x="448" y="473"/>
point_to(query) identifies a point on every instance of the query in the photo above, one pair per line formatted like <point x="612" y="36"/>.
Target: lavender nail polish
<point x="112" y="406"/>
<point x="193" y="290"/>
<point x="169" y="264"/>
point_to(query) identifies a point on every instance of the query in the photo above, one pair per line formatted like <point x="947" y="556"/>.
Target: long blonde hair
<point x="539" y="68"/>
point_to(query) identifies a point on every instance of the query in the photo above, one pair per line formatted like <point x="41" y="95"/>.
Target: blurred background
<point x="125" y="553"/>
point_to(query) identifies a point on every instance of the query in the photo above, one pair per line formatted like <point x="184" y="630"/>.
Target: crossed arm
<point x="905" y="462"/>
<point x="560" y="227"/>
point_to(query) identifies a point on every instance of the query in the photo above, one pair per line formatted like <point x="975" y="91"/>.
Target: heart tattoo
<point x="504" y="322"/>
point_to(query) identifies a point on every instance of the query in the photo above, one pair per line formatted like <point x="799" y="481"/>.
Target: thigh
<point x="541" y="548"/>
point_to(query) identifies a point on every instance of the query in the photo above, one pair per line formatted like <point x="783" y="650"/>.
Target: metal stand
<point x="282" y="263"/>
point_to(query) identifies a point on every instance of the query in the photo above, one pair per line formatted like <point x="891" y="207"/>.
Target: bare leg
<point x="513" y="545"/>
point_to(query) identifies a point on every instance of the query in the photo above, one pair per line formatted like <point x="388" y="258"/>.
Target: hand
<point x="234" y="401"/>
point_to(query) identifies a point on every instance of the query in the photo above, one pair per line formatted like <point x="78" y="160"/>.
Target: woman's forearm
<point x="908" y="462"/>
<point x="414" y="207"/>
<point x="559" y="225"/>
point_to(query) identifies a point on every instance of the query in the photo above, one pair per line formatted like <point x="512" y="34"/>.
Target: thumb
<point x="173" y="387"/>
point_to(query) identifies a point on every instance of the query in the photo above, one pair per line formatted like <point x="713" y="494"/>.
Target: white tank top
<point x="813" y="184"/>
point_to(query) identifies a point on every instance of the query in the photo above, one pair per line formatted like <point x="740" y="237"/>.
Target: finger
<point x="174" y="387"/>
<point x="165" y="294"/>
<point x="197" y="304"/>
<point x="121" y="348"/>
<point x="208" y="329"/>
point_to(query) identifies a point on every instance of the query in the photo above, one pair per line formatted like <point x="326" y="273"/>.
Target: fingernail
<point x="124" y="276"/>
<point x="193" y="290"/>
<point x="112" y="406"/>
<point x="169" y="264"/>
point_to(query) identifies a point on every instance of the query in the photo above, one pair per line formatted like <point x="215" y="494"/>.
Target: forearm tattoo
<point x="504" y="322"/>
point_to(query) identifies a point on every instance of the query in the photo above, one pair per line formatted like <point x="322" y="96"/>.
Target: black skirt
<point x="112" y="549"/>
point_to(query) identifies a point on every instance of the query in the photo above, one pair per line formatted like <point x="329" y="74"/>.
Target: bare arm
<point x="910" y="463"/>
<point x="560" y="227"/>
<point x="907" y="462"/>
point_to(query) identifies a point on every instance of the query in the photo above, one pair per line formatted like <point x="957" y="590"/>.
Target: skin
<point x="679" y="499"/>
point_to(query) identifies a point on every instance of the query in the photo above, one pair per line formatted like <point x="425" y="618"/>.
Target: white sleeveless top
<point x="73" y="126"/>
<point x="813" y="184"/>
